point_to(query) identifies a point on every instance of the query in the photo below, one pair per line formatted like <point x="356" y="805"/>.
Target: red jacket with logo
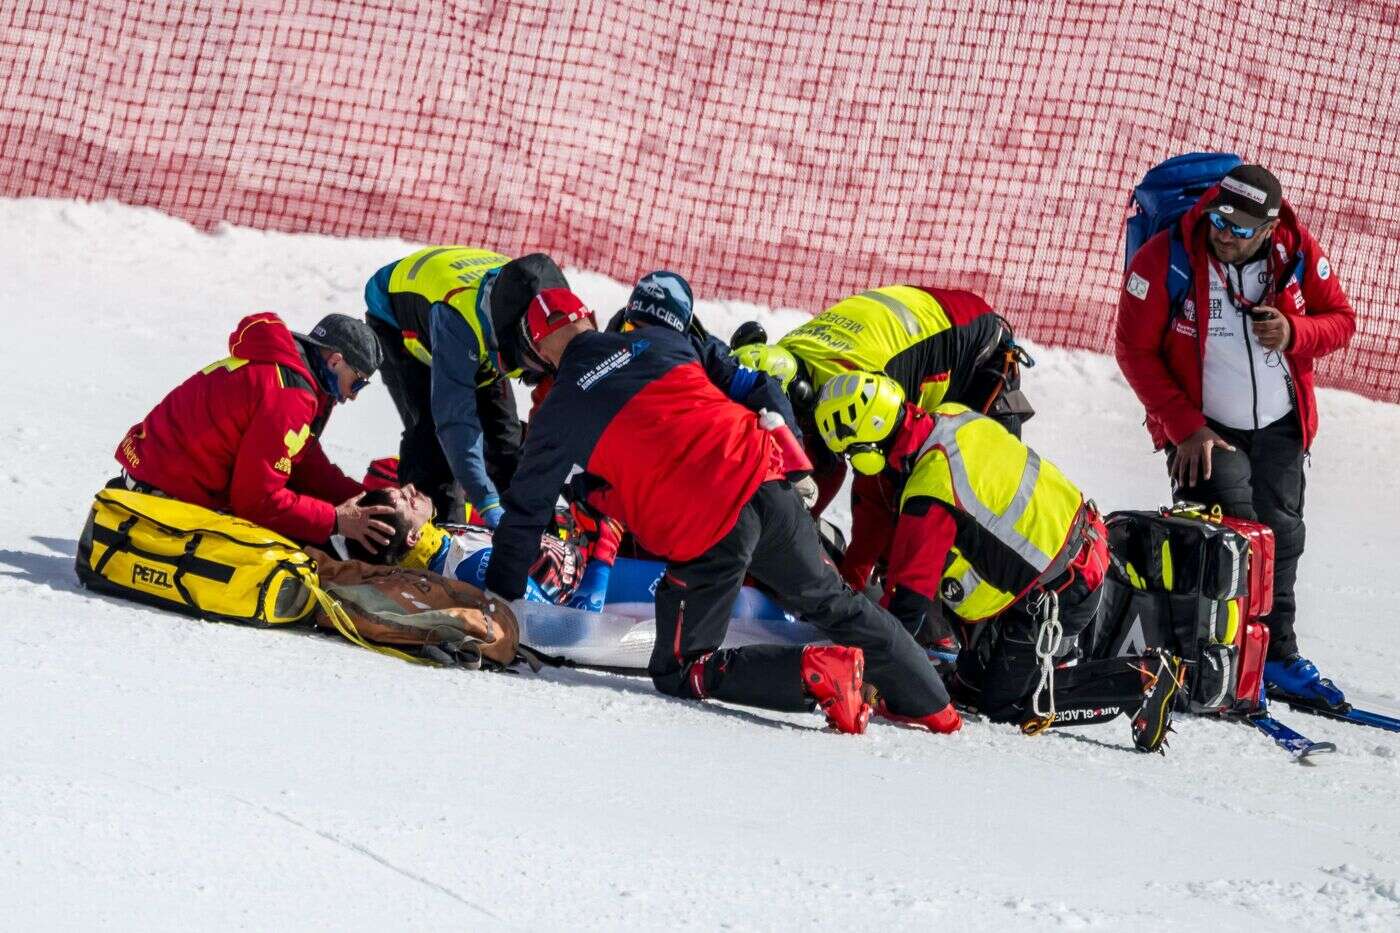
<point x="240" y="436"/>
<point x="640" y="427"/>
<point x="1161" y="354"/>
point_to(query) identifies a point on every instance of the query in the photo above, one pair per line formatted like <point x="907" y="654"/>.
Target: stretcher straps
<point x="346" y="626"/>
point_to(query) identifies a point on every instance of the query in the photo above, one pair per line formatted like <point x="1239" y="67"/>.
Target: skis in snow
<point x="1290" y="740"/>
<point x="1285" y="737"/>
<point x="1344" y="713"/>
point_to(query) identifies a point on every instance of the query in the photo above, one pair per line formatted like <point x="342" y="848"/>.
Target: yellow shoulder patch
<point x="231" y="363"/>
<point x="296" y="440"/>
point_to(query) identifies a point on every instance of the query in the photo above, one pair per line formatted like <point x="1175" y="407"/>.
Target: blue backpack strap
<point x="1179" y="279"/>
<point x="1179" y="276"/>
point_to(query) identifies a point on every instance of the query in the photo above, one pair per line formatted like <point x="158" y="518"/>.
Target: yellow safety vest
<point x="868" y="330"/>
<point x="450" y="275"/>
<point x="1013" y="494"/>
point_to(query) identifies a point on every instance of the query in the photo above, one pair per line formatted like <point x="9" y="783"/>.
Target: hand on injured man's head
<point x="391" y="522"/>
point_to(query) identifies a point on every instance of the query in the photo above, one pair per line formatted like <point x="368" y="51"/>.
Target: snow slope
<point x="157" y="772"/>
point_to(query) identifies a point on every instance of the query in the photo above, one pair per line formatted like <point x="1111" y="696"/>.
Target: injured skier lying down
<point x="578" y="573"/>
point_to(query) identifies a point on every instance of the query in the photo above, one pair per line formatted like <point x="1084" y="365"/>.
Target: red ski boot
<point x="944" y="721"/>
<point x="832" y="675"/>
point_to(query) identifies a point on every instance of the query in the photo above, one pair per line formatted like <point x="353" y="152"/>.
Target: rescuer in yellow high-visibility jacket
<point x="930" y="341"/>
<point x="462" y="434"/>
<point x="986" y="527"/>
<point x="938" y="344"/>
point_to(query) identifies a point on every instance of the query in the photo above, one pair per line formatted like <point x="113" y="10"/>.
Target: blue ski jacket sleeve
<point x="552" y="448"/>
<point x="456" y="359"/>
<point x="751" y="388"/>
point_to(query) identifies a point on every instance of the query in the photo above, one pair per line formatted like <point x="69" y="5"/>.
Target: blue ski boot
<point x="1297" y="677"/>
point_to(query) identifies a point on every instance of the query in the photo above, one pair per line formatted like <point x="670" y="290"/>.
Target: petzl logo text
<point x="151" y="576"/>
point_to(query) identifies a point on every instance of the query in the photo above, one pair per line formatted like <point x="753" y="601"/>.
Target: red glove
<point x="609" y="537"/>
<point x="604" y="533"/>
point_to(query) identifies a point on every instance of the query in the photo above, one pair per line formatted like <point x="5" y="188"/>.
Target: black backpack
<point x="1177" y="582"/>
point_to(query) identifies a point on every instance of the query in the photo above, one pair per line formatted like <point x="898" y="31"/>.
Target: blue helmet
<point x="663" y="299"/>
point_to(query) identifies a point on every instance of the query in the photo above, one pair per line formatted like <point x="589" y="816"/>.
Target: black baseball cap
<point x="1249" y="196"/>
<point x="351" y="338"/>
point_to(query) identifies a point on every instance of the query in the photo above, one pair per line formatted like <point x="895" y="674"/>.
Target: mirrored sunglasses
<point x="1218" y="221"/>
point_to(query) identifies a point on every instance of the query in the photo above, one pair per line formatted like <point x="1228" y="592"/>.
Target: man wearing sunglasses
<point x="242" y="435"/>
<point x="1226" y="372"/>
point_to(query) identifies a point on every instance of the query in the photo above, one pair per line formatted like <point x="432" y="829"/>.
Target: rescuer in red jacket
<point x="650" y="431"/>
<point x="242" y="434"/>
<point x="1226" y="371"/>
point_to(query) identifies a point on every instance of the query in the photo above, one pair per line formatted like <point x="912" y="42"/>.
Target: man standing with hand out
<point x="1226" y="372"/>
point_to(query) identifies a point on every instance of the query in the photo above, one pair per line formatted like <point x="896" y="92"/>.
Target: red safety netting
<point x="788" y="152"/>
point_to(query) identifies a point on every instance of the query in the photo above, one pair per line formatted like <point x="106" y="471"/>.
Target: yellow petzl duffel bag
<point x="178" y="556"/>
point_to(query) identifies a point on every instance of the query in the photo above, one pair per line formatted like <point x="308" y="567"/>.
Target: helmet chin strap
<point x="868" y="459"/>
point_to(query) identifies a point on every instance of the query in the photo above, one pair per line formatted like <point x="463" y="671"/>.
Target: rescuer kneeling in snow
<point x="643" y="430"/>
<point x="242" y="435"/>
<point x="998" y="535"/>
<point x="940" y="345"/>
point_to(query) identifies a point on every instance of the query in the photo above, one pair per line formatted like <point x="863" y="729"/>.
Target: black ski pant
<point x="421" y="458"/>
<point x="1262" y="480"/>
<point x="998" y="672"/>
<point x="776" y="540"/>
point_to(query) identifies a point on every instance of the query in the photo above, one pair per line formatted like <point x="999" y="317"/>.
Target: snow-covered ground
<point x="157" y="772"/>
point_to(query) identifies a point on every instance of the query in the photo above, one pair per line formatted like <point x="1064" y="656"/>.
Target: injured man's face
<point x="415" y="507"/>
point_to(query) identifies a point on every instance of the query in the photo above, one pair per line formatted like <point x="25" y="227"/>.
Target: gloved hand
<point x="603" y="534"/>
<point x="605" y="547"/>
<point x="593" y="588"/>
<point x="807" y="488"/>
<point x="491" y="511"/>
<point x="592" y="602"/>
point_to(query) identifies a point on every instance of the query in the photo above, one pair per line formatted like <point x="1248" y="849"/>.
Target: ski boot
<point x="1298" y="678"/>
<point x="944" y="722"/>
<point x="1161" y="678"/>
<point x="832" y="675"/>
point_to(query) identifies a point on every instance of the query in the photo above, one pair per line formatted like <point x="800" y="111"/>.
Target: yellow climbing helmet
<point x="856" y="412"/>
<point x="773" y="360"/>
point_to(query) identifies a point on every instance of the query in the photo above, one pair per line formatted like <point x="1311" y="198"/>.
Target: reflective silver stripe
<point x="898" y="308"/>
<point x="1234" y="564"/>
<point x="1003" y="526"/>
<point x="413" y="269"/>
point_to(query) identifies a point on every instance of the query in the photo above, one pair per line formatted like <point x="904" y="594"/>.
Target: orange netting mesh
<point x="787" y="152"/>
